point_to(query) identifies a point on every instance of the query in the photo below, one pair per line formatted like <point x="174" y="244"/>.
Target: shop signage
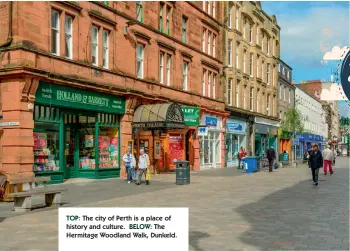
<point x="64" y="96"/>
<point x="191" y="115"/>
<point x="235" y="126"/>
<point x="151" y="125"/>
<point x="265" y="129"/>
<point x="211" y="121"/>
<point x="202" y="131"/>
<point x="5" y="124"/>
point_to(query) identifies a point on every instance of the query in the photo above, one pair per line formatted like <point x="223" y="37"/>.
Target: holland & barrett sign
<point x="63" y="96"/>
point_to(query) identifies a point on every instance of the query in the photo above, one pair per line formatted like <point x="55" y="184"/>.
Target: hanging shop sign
<point x="211" y="121"/>
<point x="202" y="131"/>
<point x="235" y="126"/>
<point x="69" y="97"/>
<point x="191" y="115"/>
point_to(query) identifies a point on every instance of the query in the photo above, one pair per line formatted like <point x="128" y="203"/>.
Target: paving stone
<point x="262" y="211"/>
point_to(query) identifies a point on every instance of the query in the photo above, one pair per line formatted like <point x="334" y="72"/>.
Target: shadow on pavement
<point x="85" y="192"/>
<point x="302" y="217"/>
<point x="194" y="238"/>
<point x="219" y="172"/>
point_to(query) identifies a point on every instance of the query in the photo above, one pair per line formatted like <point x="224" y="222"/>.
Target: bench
<point x="23" y="200"/>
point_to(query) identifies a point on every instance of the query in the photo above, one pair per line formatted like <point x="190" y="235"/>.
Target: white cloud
<point x="306" y="37"/>
<point x="337" y="53"/>
<point x="332" y="92"/>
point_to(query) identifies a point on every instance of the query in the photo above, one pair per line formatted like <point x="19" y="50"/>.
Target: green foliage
<point x="292" y="121"/>
<point x="344" y="121"/>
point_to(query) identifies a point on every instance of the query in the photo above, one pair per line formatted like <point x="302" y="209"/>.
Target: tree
<point x="292" y="122"/>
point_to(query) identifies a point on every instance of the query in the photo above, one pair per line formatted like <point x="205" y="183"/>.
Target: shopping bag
<point x="134" y="173"/>
<point x="148" y="176"/>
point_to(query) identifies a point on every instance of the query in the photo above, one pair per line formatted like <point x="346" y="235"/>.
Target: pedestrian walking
<point x="327" y="155"/>
<point x="130" y="164"/>
<point x="315" y="163"/>
<point x="271" y="156"/>
<point x="240" y="156"/>
<point x="334" y="156"/>
<point x="144" y="164"/>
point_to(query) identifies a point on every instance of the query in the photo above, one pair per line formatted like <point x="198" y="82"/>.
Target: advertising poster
<point x="89" y="140"/>
<point x="103" y="142"/>
<point x="40" y="141"/>
<point x="175" y="148"/>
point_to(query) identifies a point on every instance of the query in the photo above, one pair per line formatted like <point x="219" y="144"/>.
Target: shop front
<point x="266" y="132"/>
<point x="76" y="133"/>
<point x="210" y="141"/>
<point x="160" y="130"/>
<point x="235" y="137"/>
<point x="285" y="145"/>
<point x="305" y="141"/>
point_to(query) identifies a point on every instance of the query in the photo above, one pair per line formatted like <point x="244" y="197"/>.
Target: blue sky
<point x="308" y="31"/>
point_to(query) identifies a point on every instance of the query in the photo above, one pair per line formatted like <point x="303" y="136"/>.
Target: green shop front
<point x="266" y="132"/>
<point x="76" y="133"/>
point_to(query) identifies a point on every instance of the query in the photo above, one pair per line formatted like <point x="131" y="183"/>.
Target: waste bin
<point x="182" y="172"/>
<point x="251" y="164"/>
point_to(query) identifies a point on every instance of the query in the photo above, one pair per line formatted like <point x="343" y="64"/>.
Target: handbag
<point x="134" y="173"/>
<point x="148" y="176"/>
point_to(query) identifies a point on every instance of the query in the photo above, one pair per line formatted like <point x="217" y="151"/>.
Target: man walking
<point x="130" y="164"/>
<point x="315" y="163"/>
<point x="271" y="156"/>
<point x="327" y="155"/>
<point x="143" y="165"/>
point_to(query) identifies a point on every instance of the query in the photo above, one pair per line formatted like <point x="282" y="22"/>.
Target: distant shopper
<point x="315" y="163"/>
<point x="144" y="164"/>
<point x="271" y="156"/>
<point x="334" y="156"/>
<point x="327" y="155"/>
<point x="130" y="164"/>
<point x="240" y="157"/>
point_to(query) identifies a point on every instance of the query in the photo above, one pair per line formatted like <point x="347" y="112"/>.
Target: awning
<point x="158" y="116"/>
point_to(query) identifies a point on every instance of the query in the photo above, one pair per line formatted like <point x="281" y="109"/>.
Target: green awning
<point x="158" y="116"/>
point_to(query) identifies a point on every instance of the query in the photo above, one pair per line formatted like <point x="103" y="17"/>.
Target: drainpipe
<point x="9" y="36"/>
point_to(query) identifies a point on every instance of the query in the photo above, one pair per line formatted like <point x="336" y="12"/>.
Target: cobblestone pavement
<point x="261" y="211"/>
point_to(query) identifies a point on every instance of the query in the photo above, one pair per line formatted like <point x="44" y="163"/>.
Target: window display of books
<point x="45" y="159"/>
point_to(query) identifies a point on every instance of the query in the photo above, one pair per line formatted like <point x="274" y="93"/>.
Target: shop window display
<point x="46" y="147"/>
<point x="108" y="145"/>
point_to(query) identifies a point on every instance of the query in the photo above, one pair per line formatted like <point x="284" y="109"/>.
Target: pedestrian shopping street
<point x="229" y="210"/>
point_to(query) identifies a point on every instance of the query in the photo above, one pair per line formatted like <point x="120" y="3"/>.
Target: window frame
<point x="161" y="67"/>
<point x="214" y="86"/>
<point x="185" y="73"/>
<point x="237" y="55"/>
<point x="140" y="60"/>
<point x="229" y="18"/>
<point x="209" y="45"/>
<point x="161" y="17"/>
<point x="268" y="66"/>
<point x="57" y="32"/>
<point x="209" y="83"/>
<point x="251" y="97"/>
<point x="251" y="64"/>
<point x="214" y="45"/>
<point x="105" y="49"/>
<point x="139" y="7"/>
<point x="250" y="33"/>
<point x="66" y="34"/>
<point x="167" y="20"/>
<point x="229" y="52"/>
<point x="229" y="91"/>
<point x="168" y="69"/>
<point x="204" y="83"/>
<point x="184" y="29"/>
<point x="95" y="45"/>
<point x="238" y="83"/>
<point x="244" y="61"/>
<point x="268" y="104"/>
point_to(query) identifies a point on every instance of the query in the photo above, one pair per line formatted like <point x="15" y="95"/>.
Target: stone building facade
<point x="331" y="108"/>
<point x="251" y="48"/>
<point x="286" y="101"/>
<point x="93" y="64"/>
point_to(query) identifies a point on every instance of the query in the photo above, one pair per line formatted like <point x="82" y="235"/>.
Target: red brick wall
<point x="32" y="28"/>
<point x="4" y="21"/>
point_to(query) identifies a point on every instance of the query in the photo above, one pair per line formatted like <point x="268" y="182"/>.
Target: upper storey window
<point x="55" y="32"/>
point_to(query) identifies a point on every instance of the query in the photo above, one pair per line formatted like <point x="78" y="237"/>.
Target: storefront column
<point x="196" y="161"/>
<point x="126" y="131"/>
<point x="17" y="102"/>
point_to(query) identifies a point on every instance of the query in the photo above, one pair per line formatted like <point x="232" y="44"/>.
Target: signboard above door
<point x="64" y="96"/>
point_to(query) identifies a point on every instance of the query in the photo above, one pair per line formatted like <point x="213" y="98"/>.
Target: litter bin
<point x="251" y="164"/>
<point x="182" y="172"/>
